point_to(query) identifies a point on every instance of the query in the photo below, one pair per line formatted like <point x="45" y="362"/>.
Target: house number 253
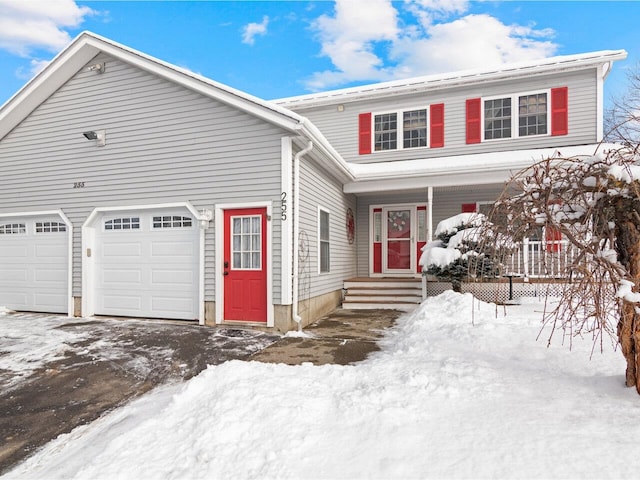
<point x="283" y="206"/>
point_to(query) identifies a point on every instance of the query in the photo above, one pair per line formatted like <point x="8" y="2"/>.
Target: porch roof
<point x="459" y="170"/>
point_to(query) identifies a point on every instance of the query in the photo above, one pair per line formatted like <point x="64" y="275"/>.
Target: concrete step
<point x="377" y="296"/>
<point x="386" y="290"/>
<point x="405" y="307"/>
<point x="412" y="284"/>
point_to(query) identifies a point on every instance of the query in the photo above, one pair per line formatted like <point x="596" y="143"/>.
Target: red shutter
<point x="437" y="125"/>
<point x="474" y="109"/>
<point x="364" y="133"/>
<point x="469" y="208"/>
<point x="560" y="111"/>
<point x="553" y="238"/>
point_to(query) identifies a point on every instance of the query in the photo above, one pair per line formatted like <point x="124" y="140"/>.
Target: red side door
<point x="245" y="265"/>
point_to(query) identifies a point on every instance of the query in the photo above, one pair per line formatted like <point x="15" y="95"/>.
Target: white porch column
<point x="430" y="214"/>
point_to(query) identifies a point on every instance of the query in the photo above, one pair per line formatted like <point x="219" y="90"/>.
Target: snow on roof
<point x="449" y="171"/>
<point x="431" y="82"/>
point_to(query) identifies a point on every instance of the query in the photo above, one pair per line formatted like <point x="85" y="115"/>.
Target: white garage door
<point x="34" y="264"/>
<point x="146" y="265"/>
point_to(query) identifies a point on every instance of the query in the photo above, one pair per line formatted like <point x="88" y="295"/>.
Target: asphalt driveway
<point x="57" y="373"/>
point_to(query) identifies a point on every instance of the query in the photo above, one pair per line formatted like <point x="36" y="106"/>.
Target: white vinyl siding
<point x="317" y="187"/>
<point x="341" y="127"/>
<point x="165" y="144"/>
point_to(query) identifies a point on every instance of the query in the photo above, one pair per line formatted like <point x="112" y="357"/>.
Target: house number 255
<point x="283" y="206"/>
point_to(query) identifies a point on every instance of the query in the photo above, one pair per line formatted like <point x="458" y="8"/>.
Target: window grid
<point x="246" y="243"/>
<point x="50" y="227"/>
<point x="532" y="114"/>
<point x="386" y="131"/>
<point x="415" y="128"/>
<point x="324" y="241"/>
<point x="125" y="223"/>
<point x="171" y="221"/>
<point x="13" y="228"/>
<point x="422" y="225"/>
<point x="377" y="226"/>
<point x="497" y="118"/>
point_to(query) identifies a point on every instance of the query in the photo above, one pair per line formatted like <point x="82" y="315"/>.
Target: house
<point x="132" y="187"/>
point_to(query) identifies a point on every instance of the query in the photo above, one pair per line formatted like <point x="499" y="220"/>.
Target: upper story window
<point x="532" y="114"/>
<point x="518" y="115"/>
<point x="497" y="118"/>
<point x="529" y="118"/>
<point x="386" y="131"/>
<point x="389" y="131"/>
<point x="414" y="130"/>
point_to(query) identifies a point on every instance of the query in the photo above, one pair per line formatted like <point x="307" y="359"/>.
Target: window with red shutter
<point x="469" y="208"/>
<point x="364" y="133"/>
<point x="560" y="111"/>
<point x="474" y="115"/>
<point x="437" y="125"/>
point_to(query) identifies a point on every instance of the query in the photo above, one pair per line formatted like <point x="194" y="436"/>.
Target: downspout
<point x="296" y="231"/>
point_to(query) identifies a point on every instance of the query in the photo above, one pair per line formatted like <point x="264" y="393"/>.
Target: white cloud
<point x="369" y="40"/>
<point x="252" y="29"/>
<point x="350" y="38"/>
<point x="36" y="24"/>
<point x="472" y="41"/>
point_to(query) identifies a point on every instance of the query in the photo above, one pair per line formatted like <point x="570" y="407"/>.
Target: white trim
<point x="413" y="206"/>
<point x="88" y="242"/>
<point x="515" y="114"/>
<point x="286" y="220"/>
<point x="599" y="104"/>
<point x="458" y="170"/>
<point x="69" y="224"/>
<point x="431" y="83"/>
<point x="400" y="128"/>
<point x="219" y="249"/>
<point x="318" y="239"/>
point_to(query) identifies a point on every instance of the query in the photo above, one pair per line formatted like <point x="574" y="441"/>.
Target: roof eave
<point x="441" y="81"/>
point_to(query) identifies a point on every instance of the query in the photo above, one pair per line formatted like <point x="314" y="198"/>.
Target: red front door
<point x="245" y="265"/>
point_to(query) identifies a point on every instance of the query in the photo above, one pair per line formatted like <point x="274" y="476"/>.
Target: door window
<point x="246" y="242"/>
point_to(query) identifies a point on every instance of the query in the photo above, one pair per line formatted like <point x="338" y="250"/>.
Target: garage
<point x="34" y="263"/>
<point x="146" y="264"/>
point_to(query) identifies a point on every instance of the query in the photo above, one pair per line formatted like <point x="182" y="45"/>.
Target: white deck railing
<point x="541" y="259"/>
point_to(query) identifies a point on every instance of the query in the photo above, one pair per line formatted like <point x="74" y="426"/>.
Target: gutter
<point x="296" y="232"/>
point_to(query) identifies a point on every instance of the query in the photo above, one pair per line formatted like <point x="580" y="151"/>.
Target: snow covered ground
<point x="459" y="390"/>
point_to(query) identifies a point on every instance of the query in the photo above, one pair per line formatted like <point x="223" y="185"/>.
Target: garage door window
<point x="171" y="221"/>
<point x="12" y="228"/>
<point x="125" y="223"/>
<point x="50" y="227"/>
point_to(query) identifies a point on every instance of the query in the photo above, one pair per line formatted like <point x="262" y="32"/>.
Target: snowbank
<point x="459" y="390"/>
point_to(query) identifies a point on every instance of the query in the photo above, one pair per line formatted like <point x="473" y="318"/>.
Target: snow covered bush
<point x="461" y="250"/>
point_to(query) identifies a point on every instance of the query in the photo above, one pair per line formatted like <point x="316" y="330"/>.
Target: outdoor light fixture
<point x="100" y="136"/>
<point x="96" y="67"/>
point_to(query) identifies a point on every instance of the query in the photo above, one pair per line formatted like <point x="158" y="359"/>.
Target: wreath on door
<point x="351" y="226"/>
